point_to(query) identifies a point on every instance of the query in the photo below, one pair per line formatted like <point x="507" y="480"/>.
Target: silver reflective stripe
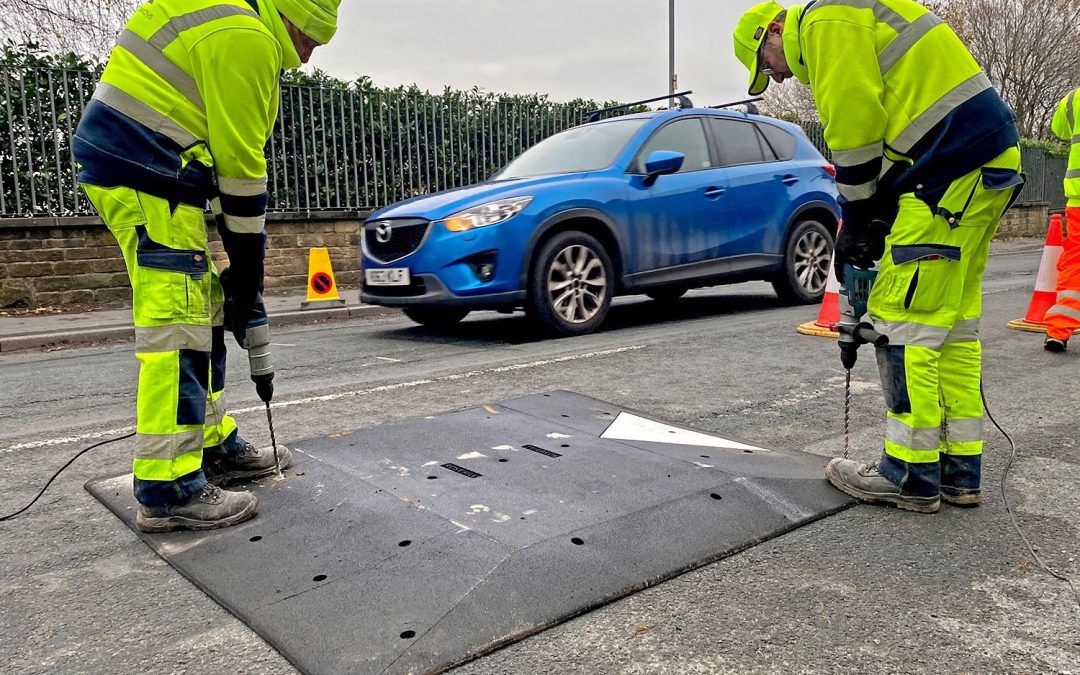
<point x="1068" y="295"/>
<point x="168" y="446"/>
<point x="912" y="334"/>
<point x="1076" y="138"/>
<point x="857" y="156"/>
<point x="913" y="438"/>
<point x="178" y="24"/>
<point x="1072" y="173"/>
<point x="1064" y="310"/>
<point x="245" y="225"/>
<point x="150" y="339"/>
<point x="127" y="104"/>
<point x="242" y="187"/>
<point x="854" y="193"/>
<point x="215" y="206"/>
<point x="919" y="127"/>
<point x="968" y="430"/>
<point x="164" y="68"/>
<point x="881" y="12"/>
<point x="906" y="40"/>
<point x="215" y="413"/>
<point x="965" y="330"/>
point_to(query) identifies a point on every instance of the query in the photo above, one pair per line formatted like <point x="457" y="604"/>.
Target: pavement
<point x="52" y="329"/>
<point x="57" y="329"/>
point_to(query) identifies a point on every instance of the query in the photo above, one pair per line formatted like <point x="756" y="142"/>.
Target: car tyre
<point x="667" y="294"/>
<point x="807" y="264"/>
<point x="435" y="317"/>
<point x="570" y="285"/>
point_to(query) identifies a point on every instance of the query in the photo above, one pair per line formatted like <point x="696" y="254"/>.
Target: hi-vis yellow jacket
<point x="905" y="106"/>
<point x="1066" y="126"/>
<point x="186" y="104"/>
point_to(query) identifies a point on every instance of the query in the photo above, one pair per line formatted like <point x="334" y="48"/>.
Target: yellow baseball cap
<point x="749" y="34"/>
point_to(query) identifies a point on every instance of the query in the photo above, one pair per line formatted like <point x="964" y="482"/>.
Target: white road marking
<point x="344" y="394"/>
<point x="387" y="358"/>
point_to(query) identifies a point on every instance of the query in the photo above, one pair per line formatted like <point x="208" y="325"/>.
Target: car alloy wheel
<point x="577" y="284"/>
<point x="571" y="284"/>
<point x="807" y="263"/>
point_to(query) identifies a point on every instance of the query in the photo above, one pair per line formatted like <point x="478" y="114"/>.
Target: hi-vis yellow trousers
<point x="179" y="339"/>
<point x="928" y="300"/>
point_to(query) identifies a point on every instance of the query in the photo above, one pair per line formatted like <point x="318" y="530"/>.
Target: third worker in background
<point x="922" y="142"/>
<point x="1064" y="317"/>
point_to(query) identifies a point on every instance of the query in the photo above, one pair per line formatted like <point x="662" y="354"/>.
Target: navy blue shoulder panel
<point x="113" y="150"/>
<point x="971" y="135"/>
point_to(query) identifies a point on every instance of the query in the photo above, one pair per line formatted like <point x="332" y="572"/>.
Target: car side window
<point x="782" y="143"/>
<point x="683" y="136"/>
<point x="738" y="142"/>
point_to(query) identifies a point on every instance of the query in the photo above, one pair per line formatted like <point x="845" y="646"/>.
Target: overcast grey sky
<point x="599" y="49"/>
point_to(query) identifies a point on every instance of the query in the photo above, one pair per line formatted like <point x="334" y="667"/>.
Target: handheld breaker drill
<point x="257" y="345"/>
<point x="853" y="331"/>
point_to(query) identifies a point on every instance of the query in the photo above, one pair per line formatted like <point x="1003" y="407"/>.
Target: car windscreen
<point x="586" y="148"/>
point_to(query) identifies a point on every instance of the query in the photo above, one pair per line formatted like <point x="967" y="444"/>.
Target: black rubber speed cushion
<point x="416" y="546"/>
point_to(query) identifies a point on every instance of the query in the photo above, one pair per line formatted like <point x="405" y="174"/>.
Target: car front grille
<point x="387" y="240"/>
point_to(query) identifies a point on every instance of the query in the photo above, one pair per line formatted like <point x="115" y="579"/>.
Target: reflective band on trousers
<point x="172" y="338"/>
<point x="178" y="24"/>
<point x="125" y="103"/>
<point x="168" y="446"/>
<point x="967" y="430"/>
<point x="912" y="334"/>
<point x="1064" y="310"/>
<point x="915" y="438"/>
<point x="155" y="60"/>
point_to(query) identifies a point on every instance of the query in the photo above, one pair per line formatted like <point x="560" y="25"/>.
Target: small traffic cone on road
<point x="1045" y="294"/>
<point x="321" y="288"/>
<point x="829" y="314"/>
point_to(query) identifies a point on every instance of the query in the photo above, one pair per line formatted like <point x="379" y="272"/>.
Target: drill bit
<point x="273" y="439"/>
<point x="847" y="409"/>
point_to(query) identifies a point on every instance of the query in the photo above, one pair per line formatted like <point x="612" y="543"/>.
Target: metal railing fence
<point x="333" y="149"/>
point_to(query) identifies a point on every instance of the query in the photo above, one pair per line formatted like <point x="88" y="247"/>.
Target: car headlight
<point x="486" y="214"/>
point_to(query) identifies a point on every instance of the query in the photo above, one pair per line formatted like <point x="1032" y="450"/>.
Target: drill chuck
<point x="257" y="345"/>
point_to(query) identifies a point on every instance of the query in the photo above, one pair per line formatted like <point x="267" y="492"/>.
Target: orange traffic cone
<point x="1045" y="294"/>
<point x="829" y="314"/>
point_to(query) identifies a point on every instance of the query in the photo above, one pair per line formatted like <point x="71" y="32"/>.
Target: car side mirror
<point x="661" y="162"/>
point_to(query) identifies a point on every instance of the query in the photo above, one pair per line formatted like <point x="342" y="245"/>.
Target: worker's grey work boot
<point x="208" y="509"/>
<point x="243" y="462"/>
<point x="961" y="496"/>
<point x="865" y="482"/>
<point x="1055" y="345"/>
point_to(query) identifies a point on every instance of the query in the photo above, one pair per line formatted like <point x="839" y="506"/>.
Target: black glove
<point x="861" y="241"/>
<point x="242" y="281"/>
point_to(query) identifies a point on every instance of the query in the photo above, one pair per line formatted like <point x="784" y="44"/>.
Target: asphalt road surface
<point x="867" y="590"/>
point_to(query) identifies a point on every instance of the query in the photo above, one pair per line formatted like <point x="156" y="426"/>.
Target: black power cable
<point x="69" y="463"/>
<point x="1008" y="507"/>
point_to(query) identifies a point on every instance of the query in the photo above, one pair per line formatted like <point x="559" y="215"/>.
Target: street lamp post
<point x="672" y="78"/>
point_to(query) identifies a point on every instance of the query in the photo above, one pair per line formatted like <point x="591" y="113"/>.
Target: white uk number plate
<point x="390" y="276"/>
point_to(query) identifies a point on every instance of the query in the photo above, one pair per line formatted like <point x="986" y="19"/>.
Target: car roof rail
<point x="748" y="102"/>
<point x="684" y="102"/>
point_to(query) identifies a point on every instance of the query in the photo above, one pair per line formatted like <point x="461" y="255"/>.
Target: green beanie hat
<point x="316" y="19"/>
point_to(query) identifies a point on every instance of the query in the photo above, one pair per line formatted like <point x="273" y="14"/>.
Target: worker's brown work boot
<point x="241" y="460"/>
<point x="208" y="509"/>
<point x="865" y="482"/>
<point x="961" y="496"/>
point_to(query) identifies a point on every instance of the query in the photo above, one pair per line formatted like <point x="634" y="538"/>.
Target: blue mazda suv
<point x="654" y="203"/>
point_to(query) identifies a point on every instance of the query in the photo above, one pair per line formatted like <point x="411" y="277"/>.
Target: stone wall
<point x="77" y="262"/>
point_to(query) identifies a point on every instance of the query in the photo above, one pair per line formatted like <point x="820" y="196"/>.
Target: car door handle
<point x="713" y="192"/>
<point x="789" y="179"/>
